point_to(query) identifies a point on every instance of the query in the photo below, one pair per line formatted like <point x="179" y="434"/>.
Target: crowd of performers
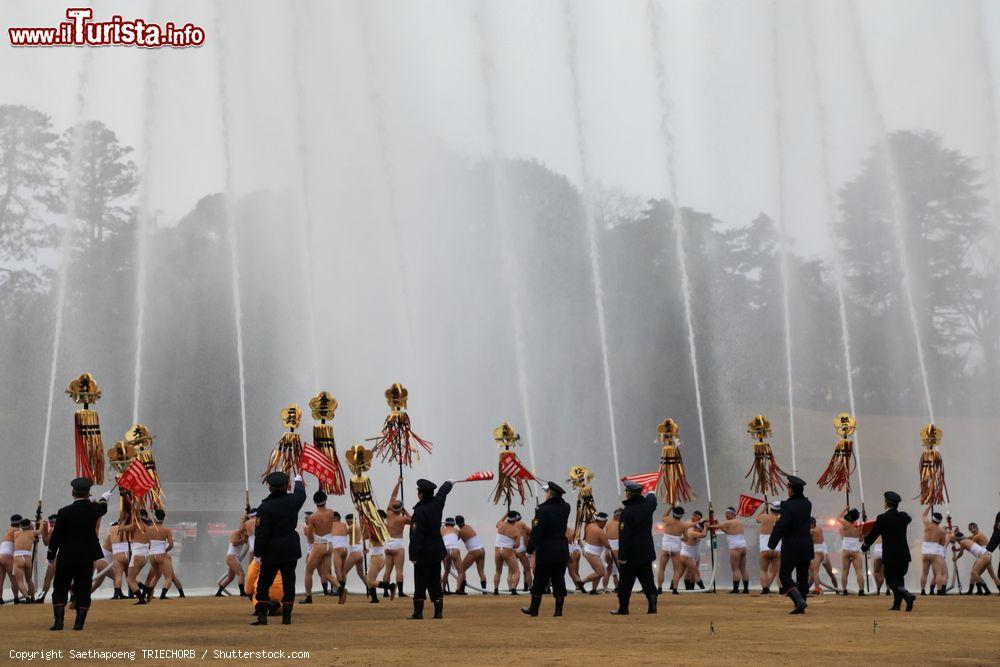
<point x="375" y="542"/>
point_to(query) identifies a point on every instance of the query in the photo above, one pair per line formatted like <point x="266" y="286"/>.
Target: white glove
<point x="106" y="496"/>
<point x="297" y="478"/>
<point x="451" y="481"/>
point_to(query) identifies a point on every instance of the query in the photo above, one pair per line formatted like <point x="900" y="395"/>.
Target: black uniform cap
<point x="893" y="497"/>
<point x="319" y="497"/>
<point x="796" y="482"/>
<point x="633" y="487"/>
<point x="81" y="484"/>
<point x="426" y="485"/>
<point x="554" y="488"/>
<point x="277" y="479"/>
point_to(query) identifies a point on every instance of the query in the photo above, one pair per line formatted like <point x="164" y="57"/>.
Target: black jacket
<point x="995" y="540"/>
<point x="792" y="529"/>
<point x="891" y="527"/>
<point x="548" y="532"/>
<point x="74" y="537"/>
<point x="425" y="527"/>
<point x="276" y="539"/>
<point x="635" y="532"/>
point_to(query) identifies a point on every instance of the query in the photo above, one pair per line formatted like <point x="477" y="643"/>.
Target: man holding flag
<point x="74" y="547"/>
<point x="277" y="543"/>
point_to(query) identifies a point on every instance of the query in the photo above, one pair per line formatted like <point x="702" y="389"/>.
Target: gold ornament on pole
<point x="286" y="456"/>
<point x="933" y="490"/>
<point x="323" y="407"/>
<point x="768" y="477"/>
<point x="120" y="457"/>
<point x="672" y="485"/>
<point x="837" y="475"/>
<point x="359" y="460"/>
<point x="580" y="478"/>
<point x="393" y="443"/>
<point x="87" y="429"/>
<point x="509" y="467"/>
<point x="141" y="440"/>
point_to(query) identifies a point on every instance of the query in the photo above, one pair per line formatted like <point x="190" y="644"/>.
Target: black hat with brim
<point x="633" y="487"/>
<point x="81" y="484"/>
<point x="893" y="497"/>
<point x="796" y="482"/>
<point x="554" y="488"/>
<point x="277" y="479"/>
<point x="426" y="485"/>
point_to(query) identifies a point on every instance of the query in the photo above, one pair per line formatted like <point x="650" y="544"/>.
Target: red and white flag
<point x="748" y="505"/>
<point x="867" y="526"/>
<point x="481" y="476"/>
<point x="316" y="462"/>
<point x="510" y="466"/>
<point x="648" y="480"/>
<point x="136" y="479"/>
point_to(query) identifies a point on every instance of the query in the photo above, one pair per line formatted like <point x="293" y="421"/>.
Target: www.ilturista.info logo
<point x="80" y="30"/>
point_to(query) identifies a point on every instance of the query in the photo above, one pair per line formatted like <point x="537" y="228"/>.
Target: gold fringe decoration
<point x="121" y="457"/>
<point x="141" y="440"/>
<point x="323" y="407"/>
<point x="933" y="489"/>
<point x="287" y="454"/>
<point x="768" y="477"/>
<point x="507" y="438"/>
<point x="393" y="443"/>
<point x="837" y="475"/>
<point x="672" y="485"/>
<point x="359" y="460"/>
<point x="581" y="477"/>
<point x="87" y="429"/>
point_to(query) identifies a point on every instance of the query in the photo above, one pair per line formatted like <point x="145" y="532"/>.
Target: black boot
<point x="118" y="595"/>
<point x="180" y="592"/>
<point x="942" y="591"/>
<point x="418" y="610"/>
<point x="700" y="584"/>
<point x="688" y="585"/>
<point x="81" y="618"/>
<point x="579" y="587"/>
<point x="897" y="600"/>
<point x="461" y="590"/>
<point x="622" y="607"/>
<point x="306" y="600"/>
<point x="163" y="594"/>
<point x="438" y="608"/>
<point x="326" y="587"/>
<point x="651" y="603"/>
<point x="41" y="599"/>
<point x="736" y="586"/>
<point x="746" y="587"/>
<point x="286" y="613"/>
<point x="559" y="606"/>
<point x="399" y="589"/>
<point x="932" y="589"/>
<point x="58" y="613"/>
<point x="261" y="610"/>
<point x="908" y="598"/>
<point x="800" y="602"/>
<point x="532" y="610"/>
<point x="219" y="593"/>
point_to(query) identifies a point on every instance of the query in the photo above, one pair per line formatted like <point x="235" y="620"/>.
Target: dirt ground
<point x="480" y="630"/>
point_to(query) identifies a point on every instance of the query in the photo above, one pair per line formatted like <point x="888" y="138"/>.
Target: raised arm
<point x="395" y="491"/>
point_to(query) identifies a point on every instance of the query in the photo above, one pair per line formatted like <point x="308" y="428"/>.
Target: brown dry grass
<point x="486" y="630"/>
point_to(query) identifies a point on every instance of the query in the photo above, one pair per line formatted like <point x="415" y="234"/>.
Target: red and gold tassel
<point x="672" y="485"/>
<point x="837" y="475"/>
<point x="286" y="456"/>
<point x="933" y="489"/>
<point x="580" y="478"/>
<point x="323" y="407"/>
<point x="768" y="477"/>
<point x="394" y="442"/>
<point x="87" y="429"/>
<point x="141" y="440"/>
<point x="373" y="526"/>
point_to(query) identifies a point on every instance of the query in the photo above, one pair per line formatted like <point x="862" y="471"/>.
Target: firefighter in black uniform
<point x="995" y="538"/>
<point x="635" y="547"/>
<point x="792" y="531"/>
<point x="550" y="548"/>
<point x="276" y="543"/>
<point x="74" y="547"/>
<point x="891" y="527"/>
<point x="427" y="546"/>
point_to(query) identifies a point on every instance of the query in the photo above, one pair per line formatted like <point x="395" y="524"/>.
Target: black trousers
<point x="427" y="579"/>
<point x="629" y="572"/>
<point x="895" y="576"/>
<point x="76" y="574"/>
<point x="547" y="574"/>
<point x="268" y="570"/>
<point x="800" y="566"/>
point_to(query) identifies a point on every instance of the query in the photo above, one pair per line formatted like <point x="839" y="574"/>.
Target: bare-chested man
<point x="736" y="539"/>
<point x="575" y="553"/>
<point x="475" y="552"/>
<point x="50" y="566"/>
<point x="933" y="552"/>
<point x="522" y="552"/>
<point x="139" y="536"/>
<point x="7" y="557"/>
<point x="24" y="539"/>
<point x="769" y="559"/>
<point x="595" y="544"/>
<point x="121" y="552"/>
<point x="452" y="554"/>
<point x="981" y="556"/>
<point x="317" y="531"/>
<point x="341" y="544"/>
<point x="234" y="564"/>
<point x="878" y="567"/>
<point x="850" y="546"/>
<point x="104" y="567"/>
<point x="612" y="530"/>
<point x="376" y="563"/>
<point x="691" y="552"/>
<point x="821" y="558"/>
<point x="161" y="543"/>
<point x="982" y="540"/>
<point x="674" y="526"/>
<point x="356" y="551"/>
<point x="397" y="519"/>
<point x="505" y="553"/>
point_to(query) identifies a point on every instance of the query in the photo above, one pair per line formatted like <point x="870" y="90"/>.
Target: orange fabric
<point x="253" y="573"/>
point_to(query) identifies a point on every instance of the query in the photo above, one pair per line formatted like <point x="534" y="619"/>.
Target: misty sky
<point x="295" y="72"/>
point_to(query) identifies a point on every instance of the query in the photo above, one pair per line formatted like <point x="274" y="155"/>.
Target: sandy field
<point x="480" y="630"/>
